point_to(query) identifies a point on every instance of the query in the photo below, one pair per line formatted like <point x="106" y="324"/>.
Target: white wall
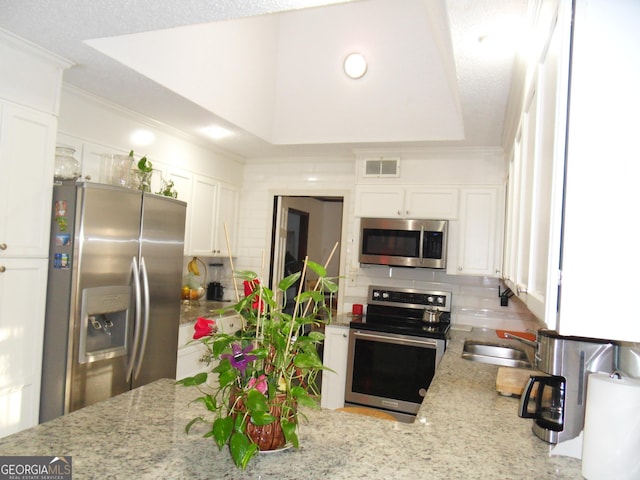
<point x="97" y="121"/>
<point x="476" y="299"/>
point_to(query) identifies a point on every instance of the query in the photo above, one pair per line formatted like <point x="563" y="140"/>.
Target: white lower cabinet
<point x="336" y="345"/>
<point x="23" y="290"/>
<point x="191" y="354"/>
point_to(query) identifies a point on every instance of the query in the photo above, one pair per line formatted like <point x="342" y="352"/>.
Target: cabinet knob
<point x="3" y="246"/>
<point x="399" y="213"/>
<point x="3" y="269"/>
<point x="460" y="269"/>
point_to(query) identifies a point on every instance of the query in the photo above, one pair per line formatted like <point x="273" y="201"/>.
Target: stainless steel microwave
<point x="403" y="242"/>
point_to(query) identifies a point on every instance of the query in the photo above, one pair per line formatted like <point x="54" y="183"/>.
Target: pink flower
<point x="259" y="384"/>
<point x="204" y="328"/>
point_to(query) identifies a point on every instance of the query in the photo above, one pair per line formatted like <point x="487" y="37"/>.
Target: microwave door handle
<point x="420" y="247"/>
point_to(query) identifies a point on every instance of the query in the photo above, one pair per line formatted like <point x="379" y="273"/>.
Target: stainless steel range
<point x="395" y="348"/>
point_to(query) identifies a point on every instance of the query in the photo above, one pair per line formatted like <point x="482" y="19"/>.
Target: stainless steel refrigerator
<point x="113" y="297"/>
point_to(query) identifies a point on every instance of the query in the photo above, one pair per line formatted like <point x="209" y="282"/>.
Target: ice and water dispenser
<point x="105" y="325"/>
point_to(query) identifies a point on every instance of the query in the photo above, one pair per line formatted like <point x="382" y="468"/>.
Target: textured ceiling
<point x="275" y="79"/>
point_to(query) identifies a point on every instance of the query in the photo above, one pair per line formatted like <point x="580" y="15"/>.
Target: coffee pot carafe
<point x="556" y="400"/>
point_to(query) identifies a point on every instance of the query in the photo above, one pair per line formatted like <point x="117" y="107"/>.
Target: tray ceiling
<point x="271" y="72"/>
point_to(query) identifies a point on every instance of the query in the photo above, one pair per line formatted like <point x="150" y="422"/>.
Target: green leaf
<point x="246" y="275"/>
<point x="288" y="281"/>
<point x="222" y="428"/>
<point x="307" y="360"/>
<point x="242" y="450"/>
<point x="317" y="268"/>
<point x="316" y="336"/>
<point x="290" y="435"/>
<point x="198" y="379"/>
<point x="307" y="401"/>
<point x="223" y="366"/>
<point x="192" y="422"/>
<point x="262" y="418"/>
<point x="226" y="378"/>
<point x="256" y="401"/>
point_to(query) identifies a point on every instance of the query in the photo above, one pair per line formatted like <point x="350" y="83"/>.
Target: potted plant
<point x="268" y="369"/>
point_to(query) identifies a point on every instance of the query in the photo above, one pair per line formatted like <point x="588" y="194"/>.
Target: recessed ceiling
<point x="276" y="80"/>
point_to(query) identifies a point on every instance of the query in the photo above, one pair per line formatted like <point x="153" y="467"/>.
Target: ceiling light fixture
<point x="216" y="132"/>
<point x="142" y="138"/>
<point x="355" y="65"/>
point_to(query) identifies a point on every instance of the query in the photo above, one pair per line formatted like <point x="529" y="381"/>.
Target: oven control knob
<point x="385" y="295"/>
<point x="440" y="299"/>
<point x="376" y="294"/>
<point x="430" y="299"/>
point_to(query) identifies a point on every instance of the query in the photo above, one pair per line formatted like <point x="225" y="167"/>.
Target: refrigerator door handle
<point x="138" y="316"/>
<point x="145" y="320"/>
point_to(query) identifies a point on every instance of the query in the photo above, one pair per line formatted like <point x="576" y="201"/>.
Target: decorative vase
<point x="66" y="166"/>
<point x="270" y="436"/>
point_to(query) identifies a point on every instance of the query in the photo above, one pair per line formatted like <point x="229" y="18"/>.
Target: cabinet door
<point x="435" y="203"/>
<point x="23" y="284"/>
<point x="202" y="225"/>
<point x="480" y="231"/>
<point x="379" y="201"/>
<point x="227" y="219"/>
<point x="27" y="152"/>
<point x="182" y="184"/>
<point x="336" y="344"/>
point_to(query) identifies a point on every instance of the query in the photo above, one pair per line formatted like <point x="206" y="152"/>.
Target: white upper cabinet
<point x="213" y="205"/>
<point x="574" y="174"/>
<point x="27" y="150"/>
<point x="391" y="201"/>
<point x="600" y="231"/>
<point x="202" y="227"/>
<point x="479" y="233"/>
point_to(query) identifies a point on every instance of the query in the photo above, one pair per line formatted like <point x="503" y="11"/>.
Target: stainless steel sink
<point x="495" y="354"/>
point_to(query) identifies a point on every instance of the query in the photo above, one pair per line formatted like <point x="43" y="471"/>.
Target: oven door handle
<point x="404" y="341"/>
<point x="421" y="246"/>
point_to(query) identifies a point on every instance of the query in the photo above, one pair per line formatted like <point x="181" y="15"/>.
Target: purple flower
<point x="239" y="358"/>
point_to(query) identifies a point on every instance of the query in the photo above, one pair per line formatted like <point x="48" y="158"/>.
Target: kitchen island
<point x="464" y="430"/>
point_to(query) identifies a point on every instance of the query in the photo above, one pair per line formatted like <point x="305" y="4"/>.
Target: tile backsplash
<point x="475" y="300"/>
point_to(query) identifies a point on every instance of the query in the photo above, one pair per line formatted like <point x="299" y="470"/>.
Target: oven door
<point x="390" y="371"/>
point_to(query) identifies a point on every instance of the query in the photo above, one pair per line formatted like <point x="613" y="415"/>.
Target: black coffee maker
<point x="556" y="399"/>
<point x="215" y="290"/>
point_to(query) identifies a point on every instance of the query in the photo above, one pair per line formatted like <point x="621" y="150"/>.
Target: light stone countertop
<point x="189" y="313"/>
<point x="464" y="430"/>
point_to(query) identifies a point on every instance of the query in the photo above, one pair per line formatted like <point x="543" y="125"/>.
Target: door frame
<point x="347" y="218"/>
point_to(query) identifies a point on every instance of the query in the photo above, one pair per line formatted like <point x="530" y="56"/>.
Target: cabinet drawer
<point x="189" y="362"/>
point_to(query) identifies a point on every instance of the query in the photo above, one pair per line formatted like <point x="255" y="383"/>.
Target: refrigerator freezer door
<point x="107" y="241"/>
<point x="162" y="247"/>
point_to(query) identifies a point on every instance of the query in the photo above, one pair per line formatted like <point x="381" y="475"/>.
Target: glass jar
<point x="66" y="166"/>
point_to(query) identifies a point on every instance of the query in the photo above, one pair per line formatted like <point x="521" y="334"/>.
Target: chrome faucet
<point x="527" y="342"/>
